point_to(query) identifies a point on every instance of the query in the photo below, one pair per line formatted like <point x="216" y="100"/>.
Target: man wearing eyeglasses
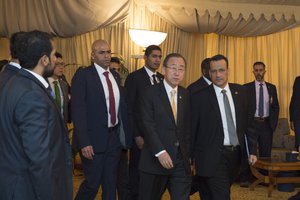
<point x="165" y="117"/>
<point x="60" y="88"/>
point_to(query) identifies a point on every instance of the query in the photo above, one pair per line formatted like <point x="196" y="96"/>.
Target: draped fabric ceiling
<point x="67" y="18"/>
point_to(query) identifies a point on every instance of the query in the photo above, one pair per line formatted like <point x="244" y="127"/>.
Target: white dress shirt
<point x="150" y="74"/>
<point x="116" y="91"/>
<point x="266" y="98"/>
<point x="219" y="95"/>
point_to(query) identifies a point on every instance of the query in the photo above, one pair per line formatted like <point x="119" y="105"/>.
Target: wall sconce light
<point x="145" y="38"/>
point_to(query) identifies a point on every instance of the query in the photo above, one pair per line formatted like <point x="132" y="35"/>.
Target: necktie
<point x="112" y="108"/>
<point x="173" y="105"/>
<point x="50" y="91"/>
<point x="261" y="101"/>
<point x="230" y="124"/>
<point x="154" y="79"/>
<point x="57" y="94"/>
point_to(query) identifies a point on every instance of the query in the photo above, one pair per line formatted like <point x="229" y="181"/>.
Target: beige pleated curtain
<point x="280" y="51"/>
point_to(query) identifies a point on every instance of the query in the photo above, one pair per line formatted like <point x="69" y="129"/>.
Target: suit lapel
<point x="215" y="104"/>
<point x="180" y="106"/>
<point x="163" y="96"/>
<point x="145" y="77"/>
<point x="98" y="84"/>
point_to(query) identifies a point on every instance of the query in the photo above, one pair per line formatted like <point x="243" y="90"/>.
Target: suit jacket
<point x="135" y="84"/>
<point x="273" y="106"/>
<point x="295" y="107"/>
<point x="8" y="72"/>
<point x="35" y="153"/>
<point x="160" y="130"/>
<point x="207" y="127"/>
<point x="89" y="111"/>
<point x="197" y="85"/>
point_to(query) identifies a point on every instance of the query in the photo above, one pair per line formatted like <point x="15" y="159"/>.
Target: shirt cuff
<point x="159" y="153"/>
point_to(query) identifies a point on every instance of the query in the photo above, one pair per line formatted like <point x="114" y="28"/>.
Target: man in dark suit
<point x="263" y="115"/>
<point x="13" y="66"/>
<point x="219" y="124"/>
<point x="165" y="117"/>
<point x="204" y="80"/>
<point x="295" y="119"/>
<point x="35" y="153"/>
<point x="60" y="88"/>
<point x="99" y="116"/>
<point x="135" y="84"/>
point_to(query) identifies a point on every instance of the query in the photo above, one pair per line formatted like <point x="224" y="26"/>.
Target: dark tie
<point x="230" y="124"/>
<point x="261" y="101"/>
<point x="50" y="91"/>
<point x="112" y="109"/>
<point x="154" y="79"/>
<point x="57" y="94"/>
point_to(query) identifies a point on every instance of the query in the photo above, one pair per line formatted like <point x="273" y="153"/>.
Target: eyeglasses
<point x="60" y="63"/>
<point x="179" y="69"/>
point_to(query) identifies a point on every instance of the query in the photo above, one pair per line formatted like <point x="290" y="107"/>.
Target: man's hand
<point x="88" y="152"/>
<point x="252" y="159"/>
<point x="292" y="125"/>
<point x="165" y="160"/>
<point x="139" y="140"/>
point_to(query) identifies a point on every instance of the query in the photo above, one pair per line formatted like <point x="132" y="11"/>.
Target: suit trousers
<point x="123" y="176"/>
<point x="102" y="170"/>
<point x="134" y="176"/>
<point x="218" y="186"/>
<point x="178" y="182"/>
<point x="264" y="137"/>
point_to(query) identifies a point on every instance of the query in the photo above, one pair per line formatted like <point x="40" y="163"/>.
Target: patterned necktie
<point x="112" y="107"/>
<point x="57" y="94"/>
<point x="261" y="101"/>
<point x="230" y="124"/>
<point x="154" y="79"/>
<point x="173" y="104"/>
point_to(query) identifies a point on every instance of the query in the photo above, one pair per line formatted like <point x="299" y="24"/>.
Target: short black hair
<point x="205" y="64"/>
<point x="58" y="55"/>
<point x="115" y="60"/>
<point x="171" y="55"/>
<point x="34" y="45"/>
<point x="219" y="57"/>
<point x="259" y="63"/>
<point x="14" y="41"/>
<point x="151" y="48"/>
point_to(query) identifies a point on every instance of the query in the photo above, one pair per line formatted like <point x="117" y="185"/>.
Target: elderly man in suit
<point x="219" y="124"/>
<point x="165" y="117"/>
<point x="204" y="80"/>
<point x="35" y="153"/>
<point x="135" y="84"/>
<point x="60" y="88"/>
<point x="100" y="123"/>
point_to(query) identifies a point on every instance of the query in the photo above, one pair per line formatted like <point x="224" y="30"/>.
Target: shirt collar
<point x="219" y="90"/>
<point x="169" y="88"/>
<point x="257" y="83"/>
<point x="100" y="69"/>
<point x="39" y="77"/>
<point x="17" y="65"/>
<point x="206" y="79"/>
<point x="149" y="72"/>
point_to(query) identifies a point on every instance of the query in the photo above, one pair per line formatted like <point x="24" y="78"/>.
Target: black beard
<point x="48" y="72"/>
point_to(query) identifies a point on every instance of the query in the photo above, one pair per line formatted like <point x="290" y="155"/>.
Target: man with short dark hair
<point x="219" y="125"/>
<point x="204" y="80"/>
<point x="13" y="66"/>
<point x="135" y="84"/>
<point x="35" y="153"/>
<point x="165" y="118"/>
<point x="60" y="88"/>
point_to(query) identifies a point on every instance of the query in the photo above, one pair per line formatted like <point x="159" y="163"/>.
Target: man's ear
<point x="44" y="60"/>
